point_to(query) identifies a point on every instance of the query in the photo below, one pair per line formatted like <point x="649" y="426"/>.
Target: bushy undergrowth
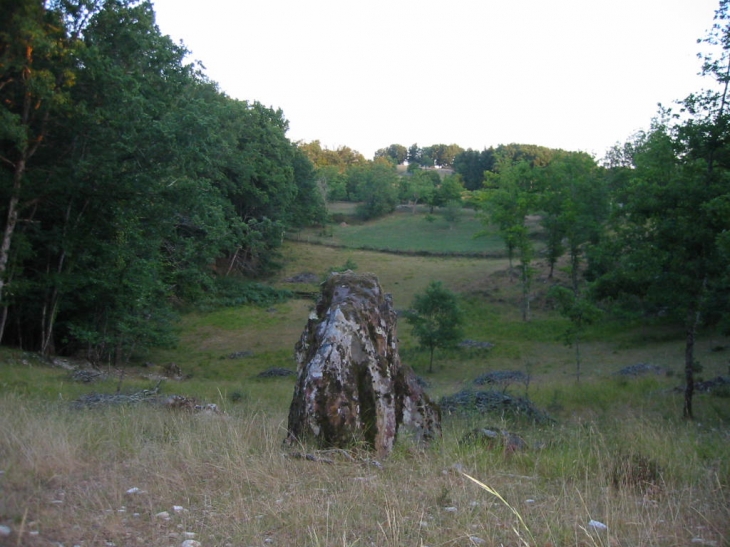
<point x="234" y="291"/>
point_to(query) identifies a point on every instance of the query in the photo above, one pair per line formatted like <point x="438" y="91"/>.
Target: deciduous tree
<point x="436" y="318"/>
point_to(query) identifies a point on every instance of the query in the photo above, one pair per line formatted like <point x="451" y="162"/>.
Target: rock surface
<point x="351" y="385"/>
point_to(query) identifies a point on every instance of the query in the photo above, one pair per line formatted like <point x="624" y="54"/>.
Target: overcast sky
<point x="571" y="74"/>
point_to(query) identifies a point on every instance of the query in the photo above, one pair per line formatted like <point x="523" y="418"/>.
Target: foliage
<point x="673" y="210"/>
<point x="436" y="318"/>
<point x="573" y="199"/>
<point x="235" y="291"/>
<point x="342" y="157"/>
<point x="375" y="186"/>
<point x="396" y="153"/>
<point x="510" y="197"/>
<point x="472" y="164"/>
<point x="436" y="155"/>
<point x="581" y="311"/>
<point x="418" y="187"/>
<point x="138" y="181"/>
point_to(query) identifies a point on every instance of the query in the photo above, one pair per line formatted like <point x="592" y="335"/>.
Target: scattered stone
<point x="164" y="515"/>
<point x="641" y="369"/>
<point x="310" y="457"/>
<point x="178" y="508"/>
<point x="102" y="399"/>
<point x="191" y="404"/>
<point x="304" y="277"/>
<point x="493" y="401"/>
<point x="495" y="438"/>
<point x="240" y="354"/>
<point x="351" y="384"/>
<point x="5" y="531"/>
<point x="596" y="525"/>
<point x="473" y="344"/>
<point x="172" y="370"/>
<point x="501" y="377"/>
<point x="708" y="386"/>
<point x="477" y="540"/>
<point x="63" y="363"/>
<point x="450" y="509"/>
<point x="87" y="376"/>
<point x="135" y="490"/>
<point x="191" y="543"/>
<point x="276" y="372"/>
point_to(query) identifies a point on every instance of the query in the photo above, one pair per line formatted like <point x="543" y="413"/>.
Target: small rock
<point x="191" y="543"/>
<point x="701" y="541"/>
<point x="189" y="535"/>
<point x="163" y="515"/>
<point x="135" y="490"/>
<point x="477" y="540"/>
<point x="178" y="508"/>
<point x="450" y="509"/>
<point x="5" y="531"/>
<point x="597" y="525"/>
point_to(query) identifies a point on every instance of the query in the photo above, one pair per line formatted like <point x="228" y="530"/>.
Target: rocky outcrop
<point x="351" y="385"/>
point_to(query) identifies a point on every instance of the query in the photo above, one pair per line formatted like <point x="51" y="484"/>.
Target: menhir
<point x="351" y="385"/>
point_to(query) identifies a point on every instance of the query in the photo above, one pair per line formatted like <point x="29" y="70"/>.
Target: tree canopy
<point x="436" y="318"/>
<point x="129" y="181"/>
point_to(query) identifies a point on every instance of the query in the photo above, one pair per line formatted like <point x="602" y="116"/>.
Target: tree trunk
<point x="689" y="372"/>
<point x="430" y="363"/>
<point x="526" y="311"/>
<point x="11" y="222"/>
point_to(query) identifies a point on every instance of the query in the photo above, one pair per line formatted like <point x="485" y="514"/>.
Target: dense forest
<point x="132" y="185"/>
<point x="130" y="182"/>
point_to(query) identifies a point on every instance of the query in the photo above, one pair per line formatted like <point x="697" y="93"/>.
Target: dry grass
<point x="66" y="475"/>
<point x="618" y="453"/>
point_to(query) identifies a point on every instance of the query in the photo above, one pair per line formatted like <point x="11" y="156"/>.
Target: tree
<point x="436" y="319"/>
<point x="375" y="186"/>
<point x="581" y="311"/>
<point x="396" y="153"/>
<point x="415" y="156"/>
<point x="449" y="189"/>
<point x="146" y="182"/>
<point x="667" y="234"/>
<point x="36" y="72"/>
<point x="573" y="200"/>
<point x="674" y="209"/>
<point x="418" y="187"/>
<point x="472" y="164"/>
<point x="510" y="197"/>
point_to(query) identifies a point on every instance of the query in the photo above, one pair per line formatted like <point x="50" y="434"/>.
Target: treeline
<point x="129" y="182"/>
<point x="437" y="176"/>
<point x="646" y="235"/>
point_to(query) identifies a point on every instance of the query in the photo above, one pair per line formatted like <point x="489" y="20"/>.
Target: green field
<point x="618" y="451"/>
<point x="405" y="231"/>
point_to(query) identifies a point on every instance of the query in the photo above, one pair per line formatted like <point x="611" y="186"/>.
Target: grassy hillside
<point x="406" y="231"/>
<point x="617" y="451"/>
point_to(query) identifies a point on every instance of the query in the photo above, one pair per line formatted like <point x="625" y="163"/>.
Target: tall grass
<point x="227" y="480"/>
<point x="617" y="452"/>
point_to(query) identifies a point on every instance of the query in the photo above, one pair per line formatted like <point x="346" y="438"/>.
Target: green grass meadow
<point x="408" y="232"/>
<point x="618" y="451"/>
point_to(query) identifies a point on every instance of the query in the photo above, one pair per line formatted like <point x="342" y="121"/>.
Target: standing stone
<point x="351" y="385"/>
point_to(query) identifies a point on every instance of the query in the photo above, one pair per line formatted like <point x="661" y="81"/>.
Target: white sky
<point x="571" y="74"/>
